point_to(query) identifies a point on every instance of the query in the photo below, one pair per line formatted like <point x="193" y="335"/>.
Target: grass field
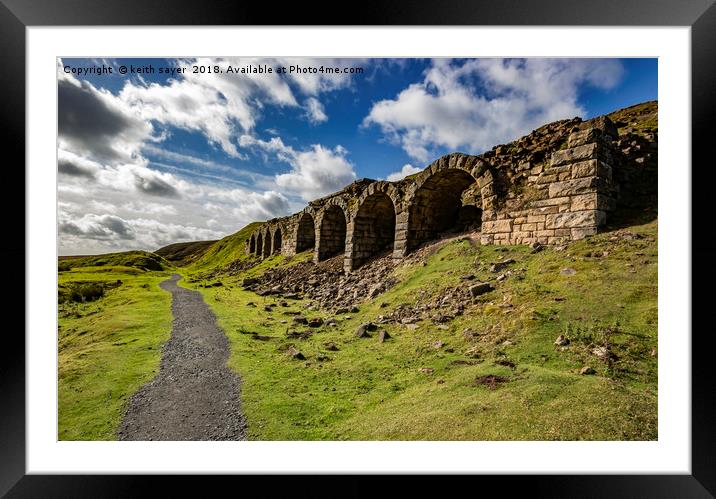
<point x="407" y="388"/>
<point x="107" y="348"/>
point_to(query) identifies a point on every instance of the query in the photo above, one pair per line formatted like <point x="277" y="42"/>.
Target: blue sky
<point x="150" y="159"/>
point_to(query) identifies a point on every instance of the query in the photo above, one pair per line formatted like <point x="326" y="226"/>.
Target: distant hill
<point x="139" y="259"/>
<point x="226" y="250"/>
<point x="181" y="254"/>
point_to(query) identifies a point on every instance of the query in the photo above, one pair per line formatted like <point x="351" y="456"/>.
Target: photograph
<point x="357" y="249"/>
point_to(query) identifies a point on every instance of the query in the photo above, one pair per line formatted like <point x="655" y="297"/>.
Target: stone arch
<point x="373" y="227"/>
<point x="305" y="231"/>
<point x="259" y="243"/>
<point x="266" y="248"/>
<point x="332" y="230"/>
<point x="437" y="200"/>
<point x="252" y="244"/>
<point x="277" y="240"/>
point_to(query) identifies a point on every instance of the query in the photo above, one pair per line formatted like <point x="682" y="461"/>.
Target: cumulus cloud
<point x="476" y="104"/>
<point x="222" y="105"/>
<point x="315" y="111"/>
<point x="101" y="227"/>
<point x="407" y="169"/>
<point x="96" y="124"/>
<point x="315" y="171"/>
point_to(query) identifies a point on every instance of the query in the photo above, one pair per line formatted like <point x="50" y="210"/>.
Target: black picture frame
<point x="700" y="15"/>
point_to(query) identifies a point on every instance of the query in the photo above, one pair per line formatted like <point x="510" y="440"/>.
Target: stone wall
<point x="554" y="185"/>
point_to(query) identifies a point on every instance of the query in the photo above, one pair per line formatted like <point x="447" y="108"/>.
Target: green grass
<point x="140" y="259"/>
<point x="369" y="390"/>
<point x="226" y="250"/>
<point x="108" y="348"/>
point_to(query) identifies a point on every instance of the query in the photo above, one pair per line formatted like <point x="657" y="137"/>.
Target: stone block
<point x="574" y="154"/>
<point x="572" y="219"/>
<point x="535" y="218"/>
<point x="584" y="137"/>
<point x="592" y="168"/>
<point x="572" y="187"/>
<point x="486" y="239"/>
<point x="551" y="201"/>
<point x="582" y="232"/>
<point x="537" y="170"/>
<point x="527" y="227"/>
<point x="562" y="232"/>
<point x="546" y="178"/>
<point x="497" y="226"/>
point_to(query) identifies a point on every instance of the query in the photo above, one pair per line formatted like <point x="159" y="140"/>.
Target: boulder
<point x="315" y="322"/>
<point x="480" y="288"/>
<point x="295" y="354"/>
<point x="586" y="370"/>
<point x="561" y="341"/>
<point x="383" y="335"/>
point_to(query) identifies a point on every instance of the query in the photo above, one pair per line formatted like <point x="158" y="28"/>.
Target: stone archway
<point x="332" y="232"/>
<point x="266" y="250"/>
<point x="277" y="241"/>
<point x="305" y="233"/>
<point x="252" y="244"/>
<point x="437" y="206"/>
<point x="259" y="244"/>
<point x="373" y="227"/>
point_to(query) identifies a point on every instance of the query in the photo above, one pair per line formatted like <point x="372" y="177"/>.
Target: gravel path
<point x="194" y="396"/>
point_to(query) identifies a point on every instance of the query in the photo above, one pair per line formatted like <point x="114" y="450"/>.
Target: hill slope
<point x="139" y="259"/>
<point x="226" y="250"/>
<point x="181" y="254"/>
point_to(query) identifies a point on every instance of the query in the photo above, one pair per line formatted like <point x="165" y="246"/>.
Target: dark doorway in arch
<point x="305" y="234"/>
<point x="267" y="245"/>
<point x="438" y="207"/>
<point x="252" y="244"/>
<point x="277" y="239"/>
<point x="333" y="233"/>
<point x="373" y="228"/>
<point x="259" y="244"/>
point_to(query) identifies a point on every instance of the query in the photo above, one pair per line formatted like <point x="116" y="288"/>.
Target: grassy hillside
<point x="140" y="259"/>
<point x="492" y="373"/>
<point x="108" y="346"/>
<point x="181" y="254"/>
<point x="226" y="250"/>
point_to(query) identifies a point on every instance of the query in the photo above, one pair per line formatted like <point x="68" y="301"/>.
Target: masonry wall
<point x="562" y="190"/>
<point x="566" y="199"/>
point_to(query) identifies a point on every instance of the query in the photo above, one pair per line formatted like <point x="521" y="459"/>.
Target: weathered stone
<point x="480" y="288"/>
<point x="383" y="335"/>
<point x="497" y="226"/>
<point x="586" y="218"/>
<point x="561" y="341"/>
<point x="574" y="154"/>
<point x="572" y="187"/>
<point x="295" y="354"/>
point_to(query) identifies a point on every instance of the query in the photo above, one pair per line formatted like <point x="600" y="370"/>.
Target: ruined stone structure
<point x="554" y="185"/>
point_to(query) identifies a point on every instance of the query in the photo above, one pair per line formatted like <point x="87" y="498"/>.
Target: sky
<point x="147" y="159"/>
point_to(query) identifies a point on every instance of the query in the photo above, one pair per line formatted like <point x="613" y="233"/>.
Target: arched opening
<point x="259" y="244"/>
<point x="277" y="239"/>
<point x="442" y="205"/>
<point x="305" y="234"/>
<point x="267" y="245"/>
<point x="373" y="228"/>
<point x="333" y="233"/>
<point x="252" y="244"/>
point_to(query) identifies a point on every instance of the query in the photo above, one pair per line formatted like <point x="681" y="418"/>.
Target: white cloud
<point x="315" y="111"/>
<point x="315" y="172"/>
<point x="474" y="105"/>
<point x="407" y="169"/>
